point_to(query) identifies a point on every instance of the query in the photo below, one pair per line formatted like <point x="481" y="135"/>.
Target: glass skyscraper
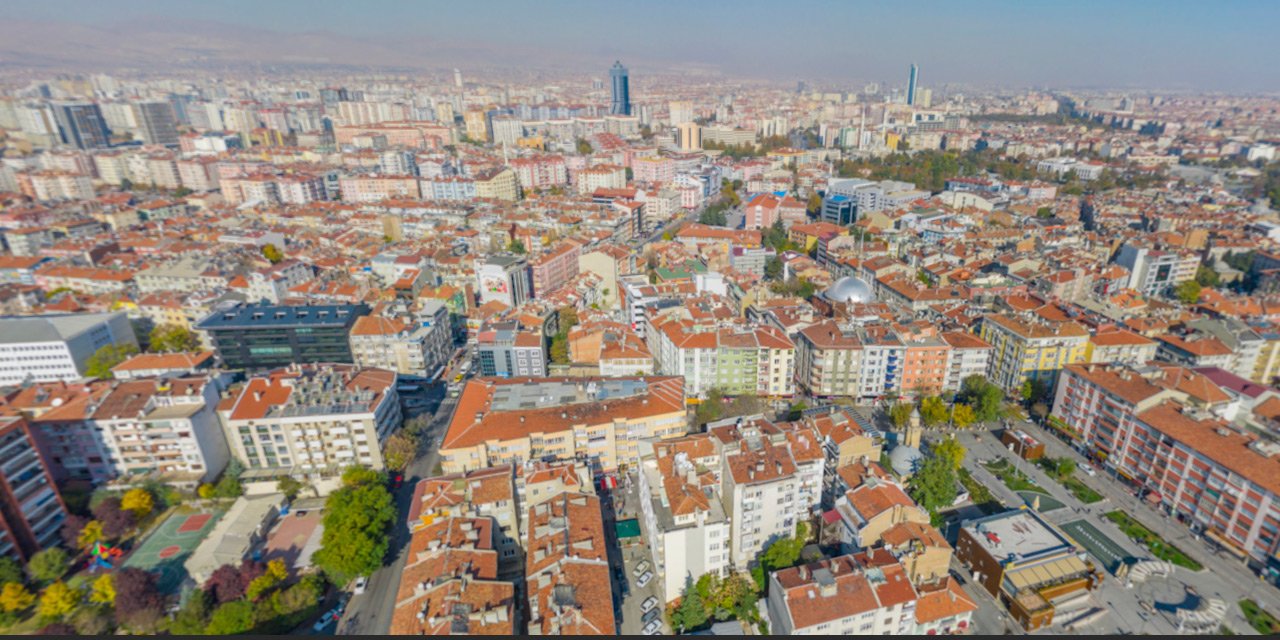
<point x="621" y="90"/>
<point x="911" y="84"/>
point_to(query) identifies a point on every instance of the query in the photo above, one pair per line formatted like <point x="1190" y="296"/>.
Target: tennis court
<point x="1110" y="554"/>
<point x="170" y="544"/>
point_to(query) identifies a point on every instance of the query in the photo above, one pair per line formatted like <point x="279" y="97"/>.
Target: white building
<point x="411" y="347"/>
<point x="57" y="347"/>
<point x="313" y="420"/>
<point x="167" y="427"/>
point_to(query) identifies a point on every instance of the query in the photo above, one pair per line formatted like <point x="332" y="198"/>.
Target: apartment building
<point x="738" y="359"/>
<point x="1031" y="348"/>
<point x="567" y="574"/>
<point x="272" y="284"/>
<point x="685" y="521"/>
<point x="1160" y="428"/>
<point x="316" y="420"/>
<point x="540" y="172"/>
<point x="770" y="480"/>
<point x="969" y="356"/>
<point x="507" y="350"/>
<point x="410" y="347"/>
<point x="1117" y="345"/>
<point x="450" y="583"/>
<point x="488" y="493"/>
<point x="31" y="509"/>
<point x="165" y="428"/>
<point x="550" y="270"/>
<point x="1154" y="272"/>
<point x="863" y="594"/>
<point x="857" y="360"/>
<point x="871" y="508"/>
<point x="602" y="176"/>
<point x="599" y="421"/>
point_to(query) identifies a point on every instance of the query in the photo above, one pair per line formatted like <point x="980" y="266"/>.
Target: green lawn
<point x="1263" y="622"/>
<point x="978" y="494"/>
<point x="1157" y="545"/>
<point x="1011" y="477"/>
<point x="1081" y="491"/>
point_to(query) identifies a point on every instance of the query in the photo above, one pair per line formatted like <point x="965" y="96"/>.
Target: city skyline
<point x="1092" y="45"/>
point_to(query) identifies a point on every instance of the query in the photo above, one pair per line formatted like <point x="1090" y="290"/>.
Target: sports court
<point x="1110" y="554"/>
<point x="170" y="544"/>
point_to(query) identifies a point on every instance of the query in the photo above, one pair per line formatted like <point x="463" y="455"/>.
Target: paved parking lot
<point x="633" y="552"/>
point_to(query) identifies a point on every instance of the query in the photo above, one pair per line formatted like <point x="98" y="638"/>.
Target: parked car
<point x="361" y="584"/>
<point x="324" y="621"/>
<point x="653" y="627"/>
<point x="650" y="616"/>
<point x="641" y="568"/>
<point x="397" y="479"/>
<point x="644" y="579"/>
<point x="649" y="604"/>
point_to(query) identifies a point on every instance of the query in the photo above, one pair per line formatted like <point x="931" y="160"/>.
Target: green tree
<point x="559" y="349"/>
<point x="933" y="486"/>
<point x="229" y="485"/>
<point x="1044" y="212"/>
<point x="1207" y="277"/>
<point x="126" y="184"/>
<point x="710" y="409"/>
<point x="933" y="411"/>
<point x="291" y="487"/>
<point x="231" y="618"/>
<point x="900" y="414"/>
<point x="1188" y="292"/>
<point x="814" y="206"/>
<point x="583" y="147"/>
<point x="193" y="617"/>
<point x="713" y="216"/>
<point x="357" y="519"/>
<point x="100" y="363"/>
<point x="10" y="571"/>
<point x="516" y="247"/>
<point x="171" y="338"/>
<point x="272" y="253"/>
<point x="48" y="565"/>
<point x="401" y="449"/>
<point x="985" y="398"/>
<point x="1064" y="468"/>
<point x="962" y="416"/>
<point x="690" y="614"/>
<point x="950" y="451"/>
<point x="58" y="601"/>
<point x="773" y="268"/>
<point x="1033" y="389"/>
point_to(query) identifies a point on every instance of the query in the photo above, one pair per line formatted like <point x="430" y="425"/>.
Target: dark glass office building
<point x="263" y="336"/>
<point x="619" y="78"/>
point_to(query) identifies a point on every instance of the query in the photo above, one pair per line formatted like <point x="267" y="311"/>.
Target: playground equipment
<point x="101" y="555"/>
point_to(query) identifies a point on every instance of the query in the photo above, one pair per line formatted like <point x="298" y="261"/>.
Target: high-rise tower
<point x="911" y="83"/>
<point x="621" y="104"/>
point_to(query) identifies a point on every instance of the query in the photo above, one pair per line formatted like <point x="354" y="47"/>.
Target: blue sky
<point x="1219" y="45"/>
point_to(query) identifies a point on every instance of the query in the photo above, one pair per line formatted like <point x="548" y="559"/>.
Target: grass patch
<point x="1154" y="543"/>
<point x="1081" y="491"/>
<point x="1011" y="477"/>
<point x="979" y="494"/>
<point x="1265" y="623"/>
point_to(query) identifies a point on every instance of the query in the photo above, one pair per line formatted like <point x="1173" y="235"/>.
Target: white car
<point x="648" y="604"/>
<point x="361" y="584"/>
<point x="653" y="627"/>
<point x="644" y="579"/>
<point x="640" y="568"/>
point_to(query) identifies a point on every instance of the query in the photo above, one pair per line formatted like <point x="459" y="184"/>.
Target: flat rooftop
<point x="533" y="395"/>
<point x="1020" y="532"/>
<point x="254" y="316"/>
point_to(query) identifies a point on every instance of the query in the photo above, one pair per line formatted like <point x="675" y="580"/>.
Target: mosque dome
<point x="848" y="290"/>
<point x="904" y="459"/>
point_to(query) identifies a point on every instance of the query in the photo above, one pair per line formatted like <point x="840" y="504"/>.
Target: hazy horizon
<point x="1176" y="45"/>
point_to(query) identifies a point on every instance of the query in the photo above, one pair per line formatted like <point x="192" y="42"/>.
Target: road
<point x="370" y="612"/>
